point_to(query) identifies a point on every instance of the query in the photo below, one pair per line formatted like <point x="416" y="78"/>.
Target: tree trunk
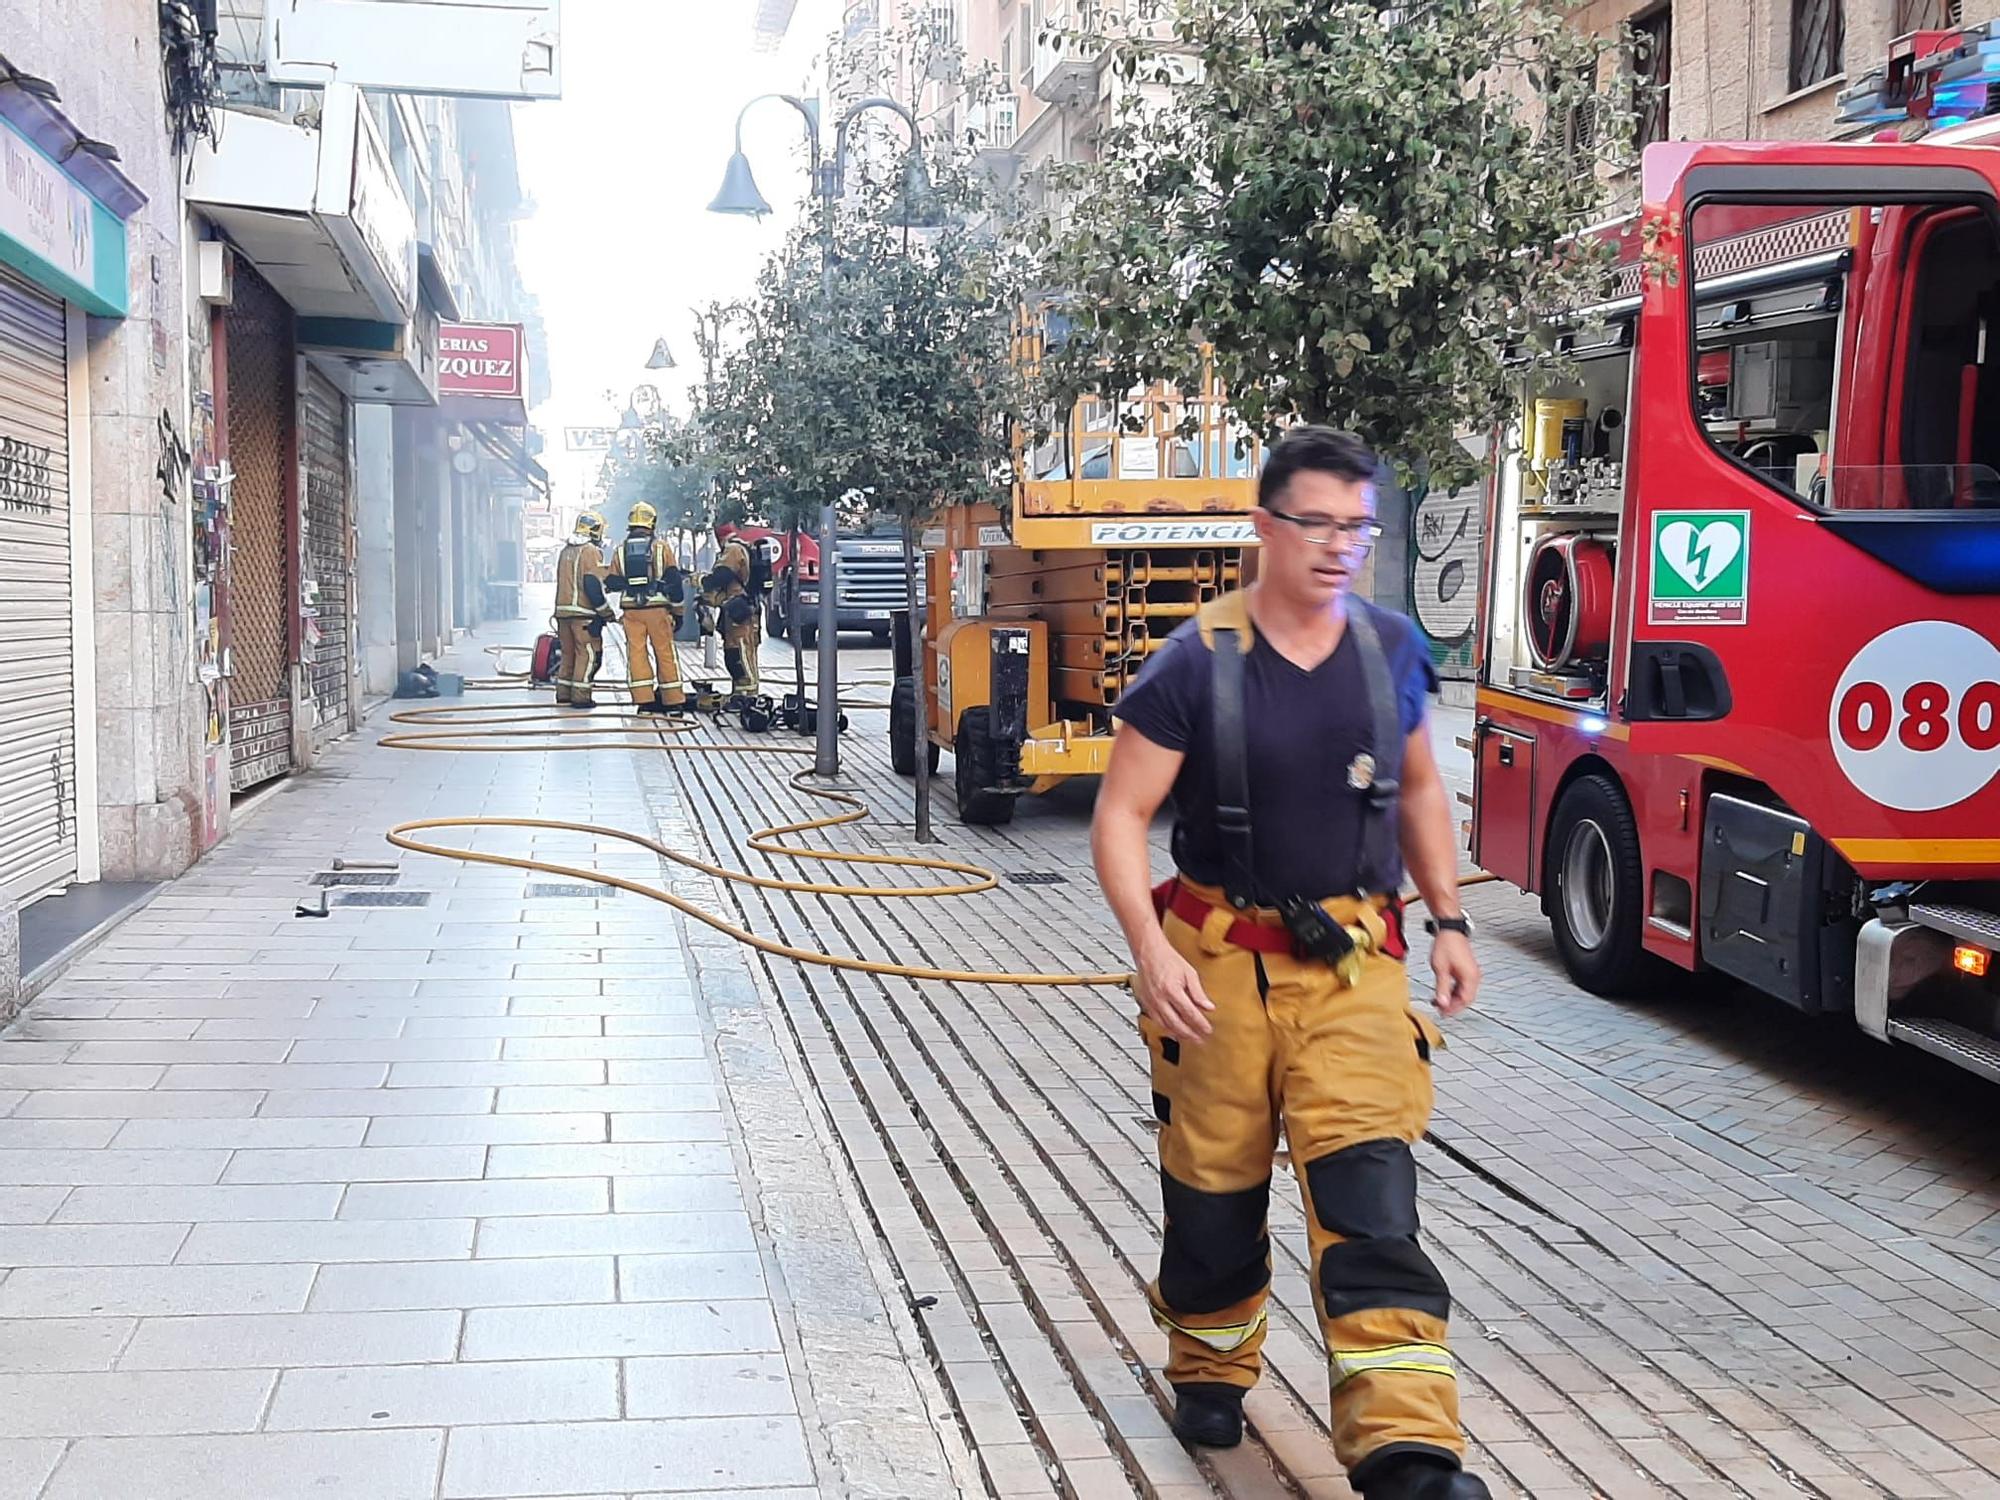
<point x="792" y="619"/>
<point x="922" y="716"/>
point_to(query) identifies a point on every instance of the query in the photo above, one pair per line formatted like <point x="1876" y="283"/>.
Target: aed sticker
<point x="1915" y="719"/>
<point x="1701" y="568"/>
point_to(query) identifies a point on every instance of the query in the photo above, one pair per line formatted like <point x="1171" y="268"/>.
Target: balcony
<point x="1065" y="75"/>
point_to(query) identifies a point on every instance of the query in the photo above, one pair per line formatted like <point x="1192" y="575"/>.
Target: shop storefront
<point x="323" y="317"/>
<point x="62" y="256"/>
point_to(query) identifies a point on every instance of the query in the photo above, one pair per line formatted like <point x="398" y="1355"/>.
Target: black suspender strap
<point x="1380" y="778"/>
<point x="1232" y="769"/>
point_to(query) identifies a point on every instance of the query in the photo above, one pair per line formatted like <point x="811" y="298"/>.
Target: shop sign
<point x="55" y="232"/>
<point x="480" y="359"/>
<point x="382" y="215"/>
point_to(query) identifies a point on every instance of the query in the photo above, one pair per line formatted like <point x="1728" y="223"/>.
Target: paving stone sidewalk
<point x="466" y="1189"/>
<point x="1646" y="1307"/>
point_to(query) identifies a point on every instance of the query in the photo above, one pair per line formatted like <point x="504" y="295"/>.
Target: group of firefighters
<point x="644" y="572"/>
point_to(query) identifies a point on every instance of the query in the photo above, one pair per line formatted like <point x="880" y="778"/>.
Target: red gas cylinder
<point x="1569" y="601"/>
<point x="547" y="660"/>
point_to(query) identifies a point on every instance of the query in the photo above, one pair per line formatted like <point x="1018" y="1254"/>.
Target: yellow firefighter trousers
<point x="650" y="656"/>
<point x="1347" y="1070"/>
<point x="580" y="652"/>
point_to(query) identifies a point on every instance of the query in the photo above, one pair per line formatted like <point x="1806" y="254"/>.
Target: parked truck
<point x="870" y="580"/>
<point x="1739" y="677"/>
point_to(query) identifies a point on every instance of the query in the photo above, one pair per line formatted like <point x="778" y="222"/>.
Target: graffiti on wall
<point x="1444" y="575"/>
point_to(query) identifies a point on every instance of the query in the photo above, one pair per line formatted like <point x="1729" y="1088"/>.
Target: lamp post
<point x="739" y="195"/>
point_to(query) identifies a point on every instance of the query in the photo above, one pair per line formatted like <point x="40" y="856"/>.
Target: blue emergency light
<point x="1945" y="77"/>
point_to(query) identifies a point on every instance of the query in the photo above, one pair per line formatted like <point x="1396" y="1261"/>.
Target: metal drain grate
<point x="356" y="877"/>
<point x="1036" y="877"/>
<point x="379" y="898"/>
<point x="572" y="891"/>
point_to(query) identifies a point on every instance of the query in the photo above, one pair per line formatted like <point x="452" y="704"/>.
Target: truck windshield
<point x="1843" y="354"/>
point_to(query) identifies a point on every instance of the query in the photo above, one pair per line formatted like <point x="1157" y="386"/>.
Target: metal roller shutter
<point x="37" y="708"/>
<point x="260" y="576"/>
<point x="329" y="556"/>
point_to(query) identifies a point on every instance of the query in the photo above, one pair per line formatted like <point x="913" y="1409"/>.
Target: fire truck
<point x="1738" y="705"/>
<point x="1122" y="523"/>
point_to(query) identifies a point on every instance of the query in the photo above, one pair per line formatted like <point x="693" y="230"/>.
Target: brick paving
<point x="480" y="1197"/>
<point x="525" y="1195"/>
<point x="1654" y="1297"/>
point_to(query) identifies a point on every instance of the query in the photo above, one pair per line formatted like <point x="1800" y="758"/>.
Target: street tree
<point x="1355" y="210"/>
<point x="875" y="373"/>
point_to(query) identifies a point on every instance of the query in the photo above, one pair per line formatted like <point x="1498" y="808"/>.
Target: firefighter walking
<point x="581" y="610"/>
<point x="1287" y="724"/>
<point x="648" y="577"/>
<point x="727" y="591"/>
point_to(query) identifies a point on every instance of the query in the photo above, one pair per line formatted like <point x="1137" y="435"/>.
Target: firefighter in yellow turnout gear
<point x="648" y="576"/>
<point x="581" y="610"/>
<point x="1288" y="726"/>
<point x="727" y="592"/>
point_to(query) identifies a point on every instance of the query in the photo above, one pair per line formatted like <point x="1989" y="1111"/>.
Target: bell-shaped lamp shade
<point x="662" y="357"/>
<point x="739" y="193"/>
<point x="918" y="207"/>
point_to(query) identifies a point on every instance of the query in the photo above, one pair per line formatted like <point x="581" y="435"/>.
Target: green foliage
<point x="877" y="377"/>
<point x="1358" y="208"/>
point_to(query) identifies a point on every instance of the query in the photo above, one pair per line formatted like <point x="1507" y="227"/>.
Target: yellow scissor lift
<point x="1037" y="619"/>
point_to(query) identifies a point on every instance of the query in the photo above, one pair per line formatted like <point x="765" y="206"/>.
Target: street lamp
<point x="739" y="195"/>
<point x="661" y="358"/>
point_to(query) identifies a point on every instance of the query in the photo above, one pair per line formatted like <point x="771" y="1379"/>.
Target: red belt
<point x="1260" y="937"/>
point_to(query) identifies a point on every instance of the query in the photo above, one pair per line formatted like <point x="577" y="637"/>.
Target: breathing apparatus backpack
<point x="642" y="586"/>
<point x="760" y="568"/>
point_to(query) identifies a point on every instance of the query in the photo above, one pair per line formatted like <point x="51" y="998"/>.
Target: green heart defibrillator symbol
<point x="1700" y="568"/>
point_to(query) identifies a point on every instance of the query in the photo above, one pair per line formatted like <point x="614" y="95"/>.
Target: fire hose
<point x="469" y="729"/>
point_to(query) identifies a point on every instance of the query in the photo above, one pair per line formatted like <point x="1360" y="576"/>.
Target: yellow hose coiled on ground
<point x="471" y="729"/>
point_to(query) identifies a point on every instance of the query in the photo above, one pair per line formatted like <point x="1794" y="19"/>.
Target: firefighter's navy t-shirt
<point x="1303" y="730"/>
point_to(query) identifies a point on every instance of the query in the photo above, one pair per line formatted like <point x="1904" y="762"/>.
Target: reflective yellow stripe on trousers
<point x="1224" y="1340"/>
<point x="1425" y="1359"/>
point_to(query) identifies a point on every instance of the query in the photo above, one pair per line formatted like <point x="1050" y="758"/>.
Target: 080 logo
<point x="1915" y="718"/>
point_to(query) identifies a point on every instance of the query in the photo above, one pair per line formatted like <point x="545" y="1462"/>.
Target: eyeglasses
<point x="1324" y="531"/>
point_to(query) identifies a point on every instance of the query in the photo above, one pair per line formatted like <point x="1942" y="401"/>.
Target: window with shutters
<point x="1653" y="69"/>
<point x="1928" y="15"/>
<point x="1819" y="38"/>
<point x="1578" y="124"/>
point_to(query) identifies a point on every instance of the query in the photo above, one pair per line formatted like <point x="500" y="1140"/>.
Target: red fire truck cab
<point x="1739" y="681"/>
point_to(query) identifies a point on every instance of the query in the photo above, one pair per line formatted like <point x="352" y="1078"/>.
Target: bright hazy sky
<point x="621" y="170"/>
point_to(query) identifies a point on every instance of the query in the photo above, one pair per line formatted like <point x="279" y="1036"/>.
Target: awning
<point x="318" y="209"/>
<point x="507" y="445"/>
<point x="63" y="206"/>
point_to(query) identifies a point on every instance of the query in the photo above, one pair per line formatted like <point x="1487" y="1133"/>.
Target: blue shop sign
<point x="55" y="232"/>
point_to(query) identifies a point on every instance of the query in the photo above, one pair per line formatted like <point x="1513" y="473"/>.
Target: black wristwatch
<point x="1460" y="925"/>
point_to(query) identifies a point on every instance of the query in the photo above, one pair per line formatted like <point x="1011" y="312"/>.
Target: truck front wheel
<point x="976" y="769"/>
<point x="1596" y="886"/>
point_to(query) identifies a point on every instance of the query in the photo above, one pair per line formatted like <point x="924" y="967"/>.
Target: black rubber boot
<point x="1208" y="1414"/>
<point x="1419" y="1476"/>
